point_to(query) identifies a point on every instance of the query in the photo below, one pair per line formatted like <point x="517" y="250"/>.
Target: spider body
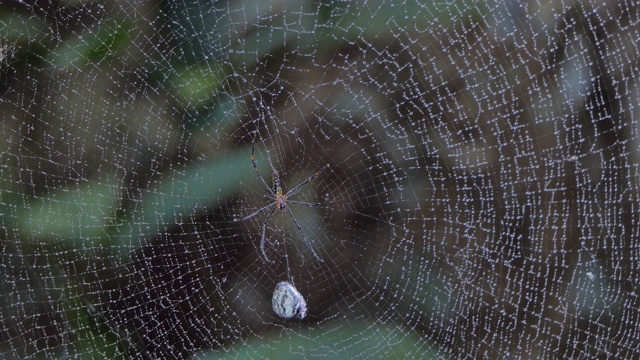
<point x="280" y="200"/>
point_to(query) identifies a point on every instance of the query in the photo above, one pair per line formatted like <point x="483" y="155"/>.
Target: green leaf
<point x="198" y="84"/>
<point x="16" y="28"/>
<point x="344" y="340"/>
<point x="77" y="214"/>
<point x="94" y="45"/>
<point x="180" y="195"/>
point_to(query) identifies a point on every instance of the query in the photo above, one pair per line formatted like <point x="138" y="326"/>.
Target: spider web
<point x="480" y="201"/>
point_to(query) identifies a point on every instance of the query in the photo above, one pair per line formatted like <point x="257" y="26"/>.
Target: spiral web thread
<point x="480" y="200"/>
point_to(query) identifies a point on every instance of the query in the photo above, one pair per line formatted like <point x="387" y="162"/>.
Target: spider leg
<point x="303" y="235"/>
<point x="255" y="165"/>
<point x="304" y="203"/>
<point x="256" y="212"/>
<point x="263" y="240"/>
<point x="297" y="187"/>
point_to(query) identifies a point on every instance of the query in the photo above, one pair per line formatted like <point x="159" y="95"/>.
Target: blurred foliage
<point x="79" y="215"/>
<point x="196" y="84"/>
<point x="21" y="29"/>
<point x="92" y="46"/>
<point x="179" y="196"/>
<point x="342" y="340"/>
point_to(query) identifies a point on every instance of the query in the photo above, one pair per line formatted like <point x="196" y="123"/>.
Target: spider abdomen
<point x="281" y="202"/>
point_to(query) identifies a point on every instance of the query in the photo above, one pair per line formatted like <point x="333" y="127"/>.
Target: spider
<point x="280" y="200"/>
